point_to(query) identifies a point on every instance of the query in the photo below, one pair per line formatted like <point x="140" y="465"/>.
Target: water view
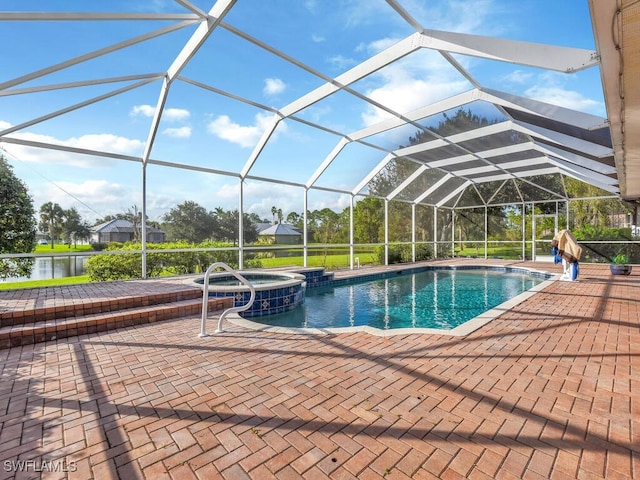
<point x="45" y="268"/>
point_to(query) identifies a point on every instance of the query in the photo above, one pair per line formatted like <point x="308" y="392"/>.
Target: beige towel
<point x="568" y="247"/>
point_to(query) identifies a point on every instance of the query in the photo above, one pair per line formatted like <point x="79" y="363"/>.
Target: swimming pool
<point x="433" y="299"/>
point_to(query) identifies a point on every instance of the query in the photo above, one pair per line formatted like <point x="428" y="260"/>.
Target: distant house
<point x="120" y="230"/>
<point x="279" y="233"/>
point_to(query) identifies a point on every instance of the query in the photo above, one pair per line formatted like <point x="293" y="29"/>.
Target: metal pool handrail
<point x="205" y="297"/>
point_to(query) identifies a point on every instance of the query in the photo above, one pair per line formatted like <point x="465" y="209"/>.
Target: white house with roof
<point x="121" y="230"/>
<point x="279" y="233"/>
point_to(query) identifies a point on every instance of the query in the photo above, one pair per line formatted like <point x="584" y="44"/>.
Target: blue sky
<point x="203" y="129"/>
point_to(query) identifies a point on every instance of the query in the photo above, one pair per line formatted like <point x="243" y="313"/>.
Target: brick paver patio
<point x="550" y="389"/>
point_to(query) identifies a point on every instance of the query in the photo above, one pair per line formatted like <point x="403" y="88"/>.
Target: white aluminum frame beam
<point x="571" y="168"/>
<point x="501" y="167"/>
<point x="80" y="83"/>
<point x="548" y="57"/>
<point x="92" y="16"/>
<point x="67" y="148"/>
<point x="563" y="140"/>
<point x="407" y="182"/>
<point x="416" y="115"/>
<point x="327" y="161"/>
<point x="95" y="54"/>
<point x="77" y="106"/>
<point x="554" y="112"/>
<point x="576" y="159"/>
<point x="372" y="173"/>
<point x="433" y="188"/>
<point x="485" y="155"/>
<point x="206" y="27"/>
<point x="453" y="193"/>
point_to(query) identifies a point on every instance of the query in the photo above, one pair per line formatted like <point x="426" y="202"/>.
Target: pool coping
<point x="460" y="331"/>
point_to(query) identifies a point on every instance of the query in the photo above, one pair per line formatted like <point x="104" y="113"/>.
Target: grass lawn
<point x="331" y="262"/>
<point x="500" y="252"/>
<point x="51" y="282"/>
<point x="61" y="248"/>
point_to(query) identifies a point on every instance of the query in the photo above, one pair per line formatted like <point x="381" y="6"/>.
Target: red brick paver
<point x="550" y="389"/>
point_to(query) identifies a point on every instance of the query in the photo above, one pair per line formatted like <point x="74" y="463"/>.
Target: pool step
<point x="37" y="311"/>
<point x="54" y="323"/>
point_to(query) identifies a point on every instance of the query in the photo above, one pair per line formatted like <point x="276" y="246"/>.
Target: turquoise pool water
<point x="442" y="299"/>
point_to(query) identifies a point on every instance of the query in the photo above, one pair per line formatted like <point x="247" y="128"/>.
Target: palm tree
<point x="51" y="218"/>
<point x="274" y="210"/>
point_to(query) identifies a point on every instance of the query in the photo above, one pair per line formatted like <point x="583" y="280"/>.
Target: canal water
<point x="45" y="268"/>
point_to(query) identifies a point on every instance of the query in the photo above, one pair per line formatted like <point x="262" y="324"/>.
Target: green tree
<point x="368" y="220"/>
<point x="17" y="223"/>
<point x="51" y="220"/>
<point x="190" y="222"/>
<point x="226" y="229"/>
<point x="134" y="215"/>
<point x="105" y="219"/>
<point x="295" y="219"/>
<point x="594" y="211"/>
<point x="74" y="228"/>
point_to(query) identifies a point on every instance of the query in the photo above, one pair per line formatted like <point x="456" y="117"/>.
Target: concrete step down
<point x="45" y="330"/>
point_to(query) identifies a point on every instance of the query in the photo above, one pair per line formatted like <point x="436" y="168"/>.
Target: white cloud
<point x="553" y="88"/>
<point x="412" y="83"/>
<point x="181" y="132"/>
<point x="261" y="196"/>
<point x="564" y="98"/>
<point x="169" y="114"/>
<point x="92" y="198"/>
<point x="176" y="114"/>
<point x="377" y="45"/>
<point x="518" y="76"/>
<point x="484" y="17"/>
<point x="341" y="62"/>
<point x="315" y="38"/>
<point x="244" y="135"/>
<point x="273" y="86"/>
<point x="88" y="191"/>
<point x="106" y="142"/>
<point x="144" y="110"/>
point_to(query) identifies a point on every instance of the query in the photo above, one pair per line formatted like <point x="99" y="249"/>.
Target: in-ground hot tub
<point x="276" y="292"/>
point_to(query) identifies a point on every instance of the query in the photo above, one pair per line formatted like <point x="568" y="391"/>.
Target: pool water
<point x="441" y="299"/>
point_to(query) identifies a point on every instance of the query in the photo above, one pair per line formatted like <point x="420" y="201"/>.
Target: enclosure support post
<point x="305" y="237"/>
<point x="567" y="215"/>
<point x="486" y="233"/>
<point x="533" y="234"/>
<point x="413" y="232"/>
<point x="241" y="226"/>
<point x="453" y="233"/>
<point x="386" y="231"/>
<point x="144" y="220"/>
<point x="524" y="230"/>
<point x="435" y="232"/>
<point x="351" y="251"/>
